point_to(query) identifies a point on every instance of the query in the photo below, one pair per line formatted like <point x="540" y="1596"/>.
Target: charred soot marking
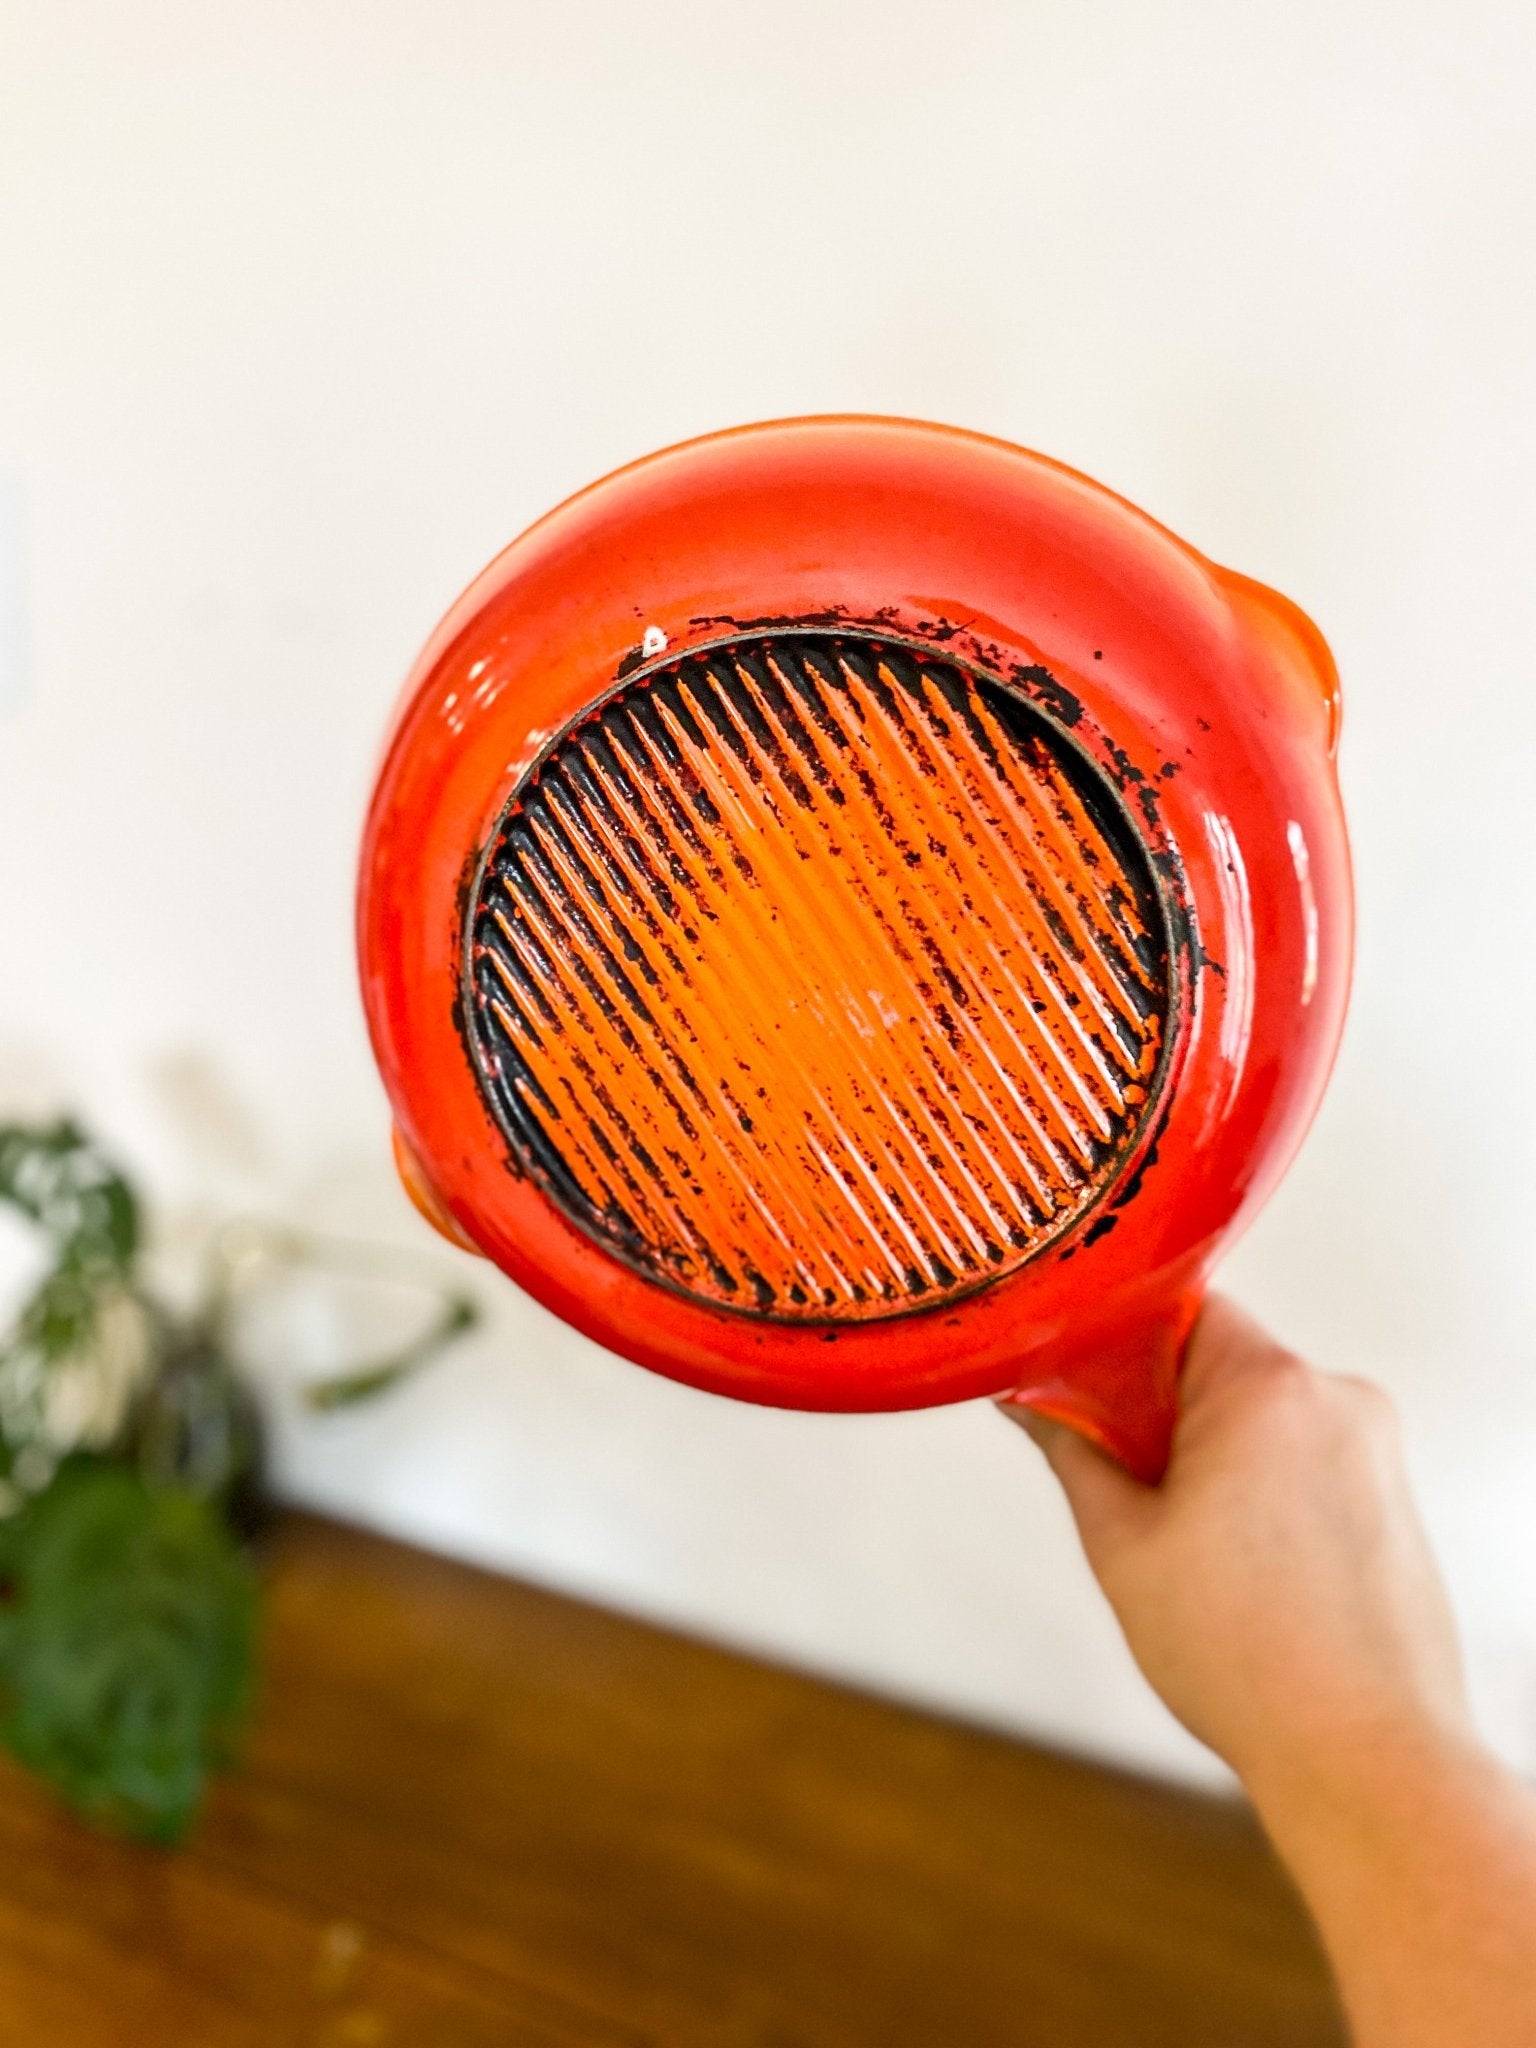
<point x="1045" y="689"/>
<point x="883" y="897"/>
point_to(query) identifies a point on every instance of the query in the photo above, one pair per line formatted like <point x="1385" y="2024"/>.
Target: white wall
<point x="306" y="308"/>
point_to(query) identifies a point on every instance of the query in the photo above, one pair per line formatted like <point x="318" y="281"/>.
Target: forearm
<point x="1416" y="1852"/>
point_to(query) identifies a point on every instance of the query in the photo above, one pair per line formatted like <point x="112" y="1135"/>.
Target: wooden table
<point x="473" y="1813"/>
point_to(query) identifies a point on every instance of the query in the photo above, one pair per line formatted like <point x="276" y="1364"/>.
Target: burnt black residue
<point x="834" y="615"/>
<point x="1125" y="766"/>
<point x="620" y="755"/>
<point x="1061" y="703"/>
<point x="464" y="888"/>
<point x="1131" y="1186"/>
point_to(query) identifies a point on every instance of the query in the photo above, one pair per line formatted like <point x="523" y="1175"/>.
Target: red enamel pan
<point x="854" y="915"/>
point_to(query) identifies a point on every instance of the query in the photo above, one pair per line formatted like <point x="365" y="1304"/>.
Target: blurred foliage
<point x="82" y="1346"/>
<point x="130" y="1496"/>
<point x="125" y="1644"/>
<point x="362" y="1382"/>
<point x="55" y="1175"/>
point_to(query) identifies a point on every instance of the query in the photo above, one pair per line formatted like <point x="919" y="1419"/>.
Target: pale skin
<point x="1279" y="1593"/>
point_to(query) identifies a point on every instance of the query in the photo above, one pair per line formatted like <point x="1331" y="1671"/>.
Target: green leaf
<point x="126" y="1644"/>
<point x="57" y="1176"/>
<point x="361" y="1382"/>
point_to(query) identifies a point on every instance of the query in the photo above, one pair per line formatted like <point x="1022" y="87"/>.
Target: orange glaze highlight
<point x="818" y="978"/>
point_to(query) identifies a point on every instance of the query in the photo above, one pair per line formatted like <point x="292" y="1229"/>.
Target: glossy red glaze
<point x="1210" y="702"/>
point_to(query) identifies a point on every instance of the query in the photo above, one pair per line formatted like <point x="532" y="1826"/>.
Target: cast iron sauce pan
<point x="854" y="915"/>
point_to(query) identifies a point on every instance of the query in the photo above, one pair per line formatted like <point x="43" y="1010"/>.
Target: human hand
<point x="1277" y="1589"/>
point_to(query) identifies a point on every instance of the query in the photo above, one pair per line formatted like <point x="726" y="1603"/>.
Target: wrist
<point x="1415" y="1850"/>
<point x="1361" y="1777"/>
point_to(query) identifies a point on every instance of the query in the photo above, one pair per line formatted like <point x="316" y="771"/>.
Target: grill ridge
<point x="818" y="977"/>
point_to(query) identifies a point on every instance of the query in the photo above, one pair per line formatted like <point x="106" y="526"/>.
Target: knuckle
<point x="1289" y="1369"/>
<point x="1377" y="1413"/>
<point x="1289" y="1382"/>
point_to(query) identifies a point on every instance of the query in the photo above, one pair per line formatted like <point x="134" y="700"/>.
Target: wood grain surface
<point x="472" y="1813"/>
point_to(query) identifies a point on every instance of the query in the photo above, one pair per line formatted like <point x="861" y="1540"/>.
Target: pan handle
<point x="1114" y="1378"/>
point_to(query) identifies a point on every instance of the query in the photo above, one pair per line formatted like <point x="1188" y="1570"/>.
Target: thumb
<point x="1106" y="1501"/>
